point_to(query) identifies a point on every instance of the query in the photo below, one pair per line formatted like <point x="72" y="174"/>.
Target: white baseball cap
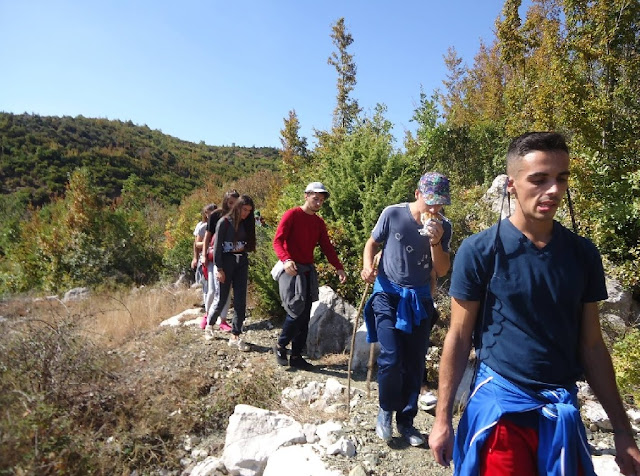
<point x="316" y="187"/>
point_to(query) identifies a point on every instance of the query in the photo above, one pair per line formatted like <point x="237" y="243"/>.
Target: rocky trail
<point x="372" y="457"/>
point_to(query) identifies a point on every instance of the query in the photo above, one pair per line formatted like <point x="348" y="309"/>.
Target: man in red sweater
<point x="300" y="230"/>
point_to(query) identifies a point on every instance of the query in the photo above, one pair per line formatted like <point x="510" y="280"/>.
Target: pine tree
<point x="294" y="148"/>
<point x="452" y="100"/>
<point x="347" y="109"/>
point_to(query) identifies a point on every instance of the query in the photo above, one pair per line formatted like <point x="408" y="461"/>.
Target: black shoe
<point x="281" y="355"/>
<point x="299" y="363"/>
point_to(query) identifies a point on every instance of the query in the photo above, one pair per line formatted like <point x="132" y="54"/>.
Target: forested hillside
<point x="99" y="202"/>
<point x="38" y="154"/>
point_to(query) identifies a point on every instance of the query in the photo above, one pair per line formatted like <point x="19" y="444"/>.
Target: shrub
<point x="266" y="289"/>
<point x="626" y="355"/>
<point x="47" y="370"/>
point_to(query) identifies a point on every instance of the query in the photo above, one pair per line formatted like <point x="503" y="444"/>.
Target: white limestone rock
<point x="343" y="446"/>
<point x="493" y="197"/>
<point x="605" y="465"/>
<point x="253" y="435"/>
<point x="299" y="460"/>
<point x="211" y="466"/>
<point x="593" y="412"/>
<point x="185" y="318"/>
<point x="329" y="432"/>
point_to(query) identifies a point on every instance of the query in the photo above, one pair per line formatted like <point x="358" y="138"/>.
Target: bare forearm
<point x="601" y="377"/>
<point x="441" y="260"/>
<point x="205" y="243"/>
<point x="368" y="272"/>
<point x="455" y="355"/>
<point x="195" y="249"/>
<point x="598" y="368"/>
<point x="199" y="245"/>
<point x="370" y="250"/>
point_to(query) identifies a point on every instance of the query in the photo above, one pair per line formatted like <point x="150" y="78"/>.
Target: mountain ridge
<point x="38" y="154"/>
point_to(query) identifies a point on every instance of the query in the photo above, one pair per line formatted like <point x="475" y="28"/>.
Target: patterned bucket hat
<point x="434" y="188"/>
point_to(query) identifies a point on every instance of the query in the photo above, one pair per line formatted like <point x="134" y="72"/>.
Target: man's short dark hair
<point x="533" y="141"/>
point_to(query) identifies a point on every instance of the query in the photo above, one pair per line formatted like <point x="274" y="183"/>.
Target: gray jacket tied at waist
<point x="292" y="289"/>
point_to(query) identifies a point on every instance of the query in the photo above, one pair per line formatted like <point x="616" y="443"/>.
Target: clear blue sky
<point x="228" y="71"/>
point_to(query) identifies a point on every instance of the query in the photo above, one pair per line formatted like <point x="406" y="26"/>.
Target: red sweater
<point x="298" y="234"/>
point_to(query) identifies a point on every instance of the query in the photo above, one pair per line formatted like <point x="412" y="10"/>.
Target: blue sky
<point x="228" y="72"/>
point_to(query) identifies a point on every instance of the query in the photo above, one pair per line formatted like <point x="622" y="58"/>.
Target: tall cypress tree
<point x="347" y="109"/>
<point x="294" y="148"/>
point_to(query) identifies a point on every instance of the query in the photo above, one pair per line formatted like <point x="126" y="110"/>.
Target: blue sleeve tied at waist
<point x="410" y="312"/>
<point x="562" y="440"/>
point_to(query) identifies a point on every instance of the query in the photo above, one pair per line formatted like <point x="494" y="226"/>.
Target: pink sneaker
<point x="203" y="322"/>
<point x="225" y="327"/>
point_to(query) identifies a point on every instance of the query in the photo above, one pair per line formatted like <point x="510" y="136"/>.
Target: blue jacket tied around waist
<point x="411" y="310"/>
<point x="562" y="440"/>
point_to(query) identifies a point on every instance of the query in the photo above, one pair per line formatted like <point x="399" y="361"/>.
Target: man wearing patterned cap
<point x="414" y="238"/>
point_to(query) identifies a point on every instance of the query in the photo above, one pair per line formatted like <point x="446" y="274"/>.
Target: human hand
<point x="194" y="263"/>
<point x="441" y="442"/>
<point x="220" y="276"/>
<point x="434" y="231"/>
<point x="368" y="274"/>
<point x="290" y="268"/>
<point x="342" y="275"/>
<point x="627" y="454"/>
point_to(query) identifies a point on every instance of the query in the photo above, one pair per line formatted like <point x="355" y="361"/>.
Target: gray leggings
<point x="213" y="295"/>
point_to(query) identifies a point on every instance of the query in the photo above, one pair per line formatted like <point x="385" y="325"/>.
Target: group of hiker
<point x="524" y="293"/>
<point x="220" y="257"/>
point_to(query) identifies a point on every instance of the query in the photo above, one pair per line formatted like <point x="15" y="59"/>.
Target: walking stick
<point x="370" y="368"/>
<point x="353" y="336"/>
<point x="353" y="343"/>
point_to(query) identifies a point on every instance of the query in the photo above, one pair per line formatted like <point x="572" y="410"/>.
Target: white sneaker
<point x="239" y="343"/>
<point x="208" y="332"/>
<point x="427" y="401"/>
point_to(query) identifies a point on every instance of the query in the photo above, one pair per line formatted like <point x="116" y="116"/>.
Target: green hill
<point x="38" y="153"/>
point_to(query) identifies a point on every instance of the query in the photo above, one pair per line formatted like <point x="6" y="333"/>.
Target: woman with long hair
<point x="213" y="286"/>
<point x="200" y="232"/>
<point x="235" y="236"/>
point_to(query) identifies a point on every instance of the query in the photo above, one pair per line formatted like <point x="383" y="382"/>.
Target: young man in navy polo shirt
<point x="528" y="290"/>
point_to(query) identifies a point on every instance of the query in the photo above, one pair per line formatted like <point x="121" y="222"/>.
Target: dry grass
<point x="110" y="317"/>
<point x="121" y="316"/>
<point x="74" y="374"/>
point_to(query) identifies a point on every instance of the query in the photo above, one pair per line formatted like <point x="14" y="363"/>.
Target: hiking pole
<point x="376" y="259"/>
<point x="353" y="343"/>
<point x="370" y="367"/>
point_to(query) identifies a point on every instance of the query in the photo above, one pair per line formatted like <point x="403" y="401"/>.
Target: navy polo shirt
<point x="531" y="327"/>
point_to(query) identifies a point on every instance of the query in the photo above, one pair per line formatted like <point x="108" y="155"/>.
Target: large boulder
<point x="619" y="302"/>
<point x="299" y="460"/>
<point x="494" y="197"/>
<point x="253" y="435"/>
<point x="331" y="324"/>
<point x="362" y="349"/>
